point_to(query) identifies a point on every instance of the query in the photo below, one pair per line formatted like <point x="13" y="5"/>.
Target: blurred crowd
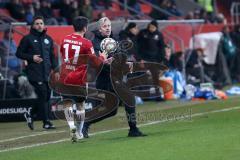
<point x="61" y="12"/>
<point x="55" y="12"/>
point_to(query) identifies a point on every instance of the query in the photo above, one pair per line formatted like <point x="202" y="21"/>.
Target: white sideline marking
<point x="107" y="131"/>
<point x="33" y="135"/>
<point x="194" y="115"/>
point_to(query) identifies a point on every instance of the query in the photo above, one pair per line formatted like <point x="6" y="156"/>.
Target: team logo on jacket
<point x="156" y="37"/>
<point x="46" y="41"/>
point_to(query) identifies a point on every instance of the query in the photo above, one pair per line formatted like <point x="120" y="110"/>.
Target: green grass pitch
<point x="185" y="130"/>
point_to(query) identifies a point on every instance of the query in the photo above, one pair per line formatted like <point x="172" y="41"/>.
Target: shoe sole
<point x="49" y="128"/>
<point x="86" y="136"/>
<point x="79" y="138"/>
<point x="137" y="136"/>
<point x="141" y="135"/>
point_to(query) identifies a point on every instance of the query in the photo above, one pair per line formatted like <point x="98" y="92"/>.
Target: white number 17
<point x="76" y="54"/>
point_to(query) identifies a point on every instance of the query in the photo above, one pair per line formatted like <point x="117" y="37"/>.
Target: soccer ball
<point x="108" y="45"/>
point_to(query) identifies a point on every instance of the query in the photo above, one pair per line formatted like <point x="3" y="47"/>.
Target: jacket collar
<point x="36" y="33"/>
<point x="99" y="35"/>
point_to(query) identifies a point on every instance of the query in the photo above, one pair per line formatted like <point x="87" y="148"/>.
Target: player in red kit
<point x="76" y="52"/>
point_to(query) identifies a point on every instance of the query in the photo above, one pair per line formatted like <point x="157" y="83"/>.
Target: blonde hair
<point x="102" y="21"/>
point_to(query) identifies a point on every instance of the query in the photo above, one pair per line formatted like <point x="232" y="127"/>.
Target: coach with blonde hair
<point x="104" y="83"/>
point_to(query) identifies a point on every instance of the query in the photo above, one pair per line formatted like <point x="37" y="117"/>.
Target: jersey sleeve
<point x="93" y="52"/>
<point x="90" y="49"/>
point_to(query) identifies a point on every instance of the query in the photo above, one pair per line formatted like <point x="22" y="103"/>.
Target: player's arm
<point x="91" y="51"/>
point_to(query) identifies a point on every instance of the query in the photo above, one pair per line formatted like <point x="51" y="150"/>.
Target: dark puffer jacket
<point x="151" y="46"/>
<point x="103" y="81"/>
<point x="37" y="43"/>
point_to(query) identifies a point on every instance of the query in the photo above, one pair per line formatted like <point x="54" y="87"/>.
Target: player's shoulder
<point x="69" y="36"/>
<point x="87" y="41"/>
<point x="48" y="36"/>
<point x="28" y="38"/>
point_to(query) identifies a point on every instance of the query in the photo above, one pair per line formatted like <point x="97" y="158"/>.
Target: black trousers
<point x="43" y="95"/>
<point x="130" y="113"/>
<point x="104" y="83"/>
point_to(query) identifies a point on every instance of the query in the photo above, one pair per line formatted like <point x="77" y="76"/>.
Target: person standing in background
<point x="130" y="34"/>
<point x="37" y="49"/>
<point x="152" y="49"/>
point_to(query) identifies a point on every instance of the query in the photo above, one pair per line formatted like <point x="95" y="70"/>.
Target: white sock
<point x="70" y="117"/>
<point x="74" y="107"/>
<point x="71" y="124"/>
<point x="80" y="127"/>
<point x="81" y="117"/>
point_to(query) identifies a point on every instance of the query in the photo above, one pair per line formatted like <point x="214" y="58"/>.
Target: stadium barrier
<point x="13" y="110"/>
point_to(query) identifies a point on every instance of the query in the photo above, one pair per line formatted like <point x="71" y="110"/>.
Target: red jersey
<point x="76" y="53"/>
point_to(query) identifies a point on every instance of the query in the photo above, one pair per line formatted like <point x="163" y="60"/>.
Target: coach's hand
<point x="37" y="58"/>
<point x="109" y="60"/>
